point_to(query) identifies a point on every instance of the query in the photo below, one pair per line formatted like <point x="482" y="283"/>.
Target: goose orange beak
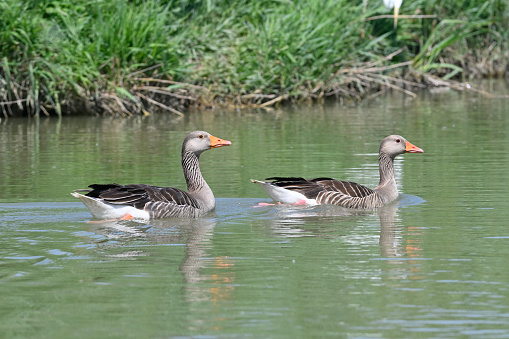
<point x="410" y="148"/>
<point x="216" y="142"/>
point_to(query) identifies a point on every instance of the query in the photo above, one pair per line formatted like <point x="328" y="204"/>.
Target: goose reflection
<point x="316" y="221"/>
<point x="195" y="234"/>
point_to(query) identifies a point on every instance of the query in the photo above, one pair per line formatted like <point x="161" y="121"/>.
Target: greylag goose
<point x="113" y="201"/>
<point x="320" y="191"/>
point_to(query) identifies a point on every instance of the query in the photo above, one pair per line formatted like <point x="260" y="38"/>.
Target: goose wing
<point x="312" y="187"/>
<point x="348" y="188"/>
<point x="330" y="191"/>
<point x="347" y="194"/>
<point x="306" y="187"/>
<point x="140" y="195"/>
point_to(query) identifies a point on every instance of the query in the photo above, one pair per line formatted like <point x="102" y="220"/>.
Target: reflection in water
<point x="390" y="243"/>
<point x="301" y="221"/>
<point x="208" y="281"/>
<point x="195" y="235"/>
<point x="400" y="246"/>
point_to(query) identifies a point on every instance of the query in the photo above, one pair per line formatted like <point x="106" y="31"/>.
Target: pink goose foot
<point x="125" y="217"/>
<point x="263" y="204"/>
<point x="298" y="203"/>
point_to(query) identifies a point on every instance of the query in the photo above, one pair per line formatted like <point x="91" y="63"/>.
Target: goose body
<point x="113" y="201"/>
<point x="320" y="191"/>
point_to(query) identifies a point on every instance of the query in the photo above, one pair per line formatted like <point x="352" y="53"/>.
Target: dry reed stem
<point x="161" y="105"/>
<point x="388" y="84"/>
<point x="386" y="58"/>
<point x="164" y="91"/>
<point x="8" y="103"/>
<point x="373" y="69"/>
<point x="273" y="101"/>
<point x="406" y="82"/>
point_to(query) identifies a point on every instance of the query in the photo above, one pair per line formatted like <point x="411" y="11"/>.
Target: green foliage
<point x="56" y="50"/>
<point x="460" y="28"/>
<point x="283" y="48"/>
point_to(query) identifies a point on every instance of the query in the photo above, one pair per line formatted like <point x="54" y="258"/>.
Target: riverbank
<point x="125" y="58"/>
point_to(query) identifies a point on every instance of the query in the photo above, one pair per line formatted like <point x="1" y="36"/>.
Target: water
<point x="431" y="265"/>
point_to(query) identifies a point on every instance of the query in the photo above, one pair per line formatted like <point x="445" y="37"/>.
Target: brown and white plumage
<point x="320" y="191"/>
<point x="111" y="201"/>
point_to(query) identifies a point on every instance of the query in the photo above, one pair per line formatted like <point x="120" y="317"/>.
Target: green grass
<point x="67" y="56"/>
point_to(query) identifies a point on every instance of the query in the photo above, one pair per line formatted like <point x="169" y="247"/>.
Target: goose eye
<point x="398" y="140"/>
<point x="201" y="136"/>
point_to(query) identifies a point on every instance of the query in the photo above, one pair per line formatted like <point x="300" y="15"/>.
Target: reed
<point x="127" y="57"/>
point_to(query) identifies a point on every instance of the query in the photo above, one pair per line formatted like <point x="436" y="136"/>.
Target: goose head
<point x="200" y="141"/>
<point x="394" y="145"/>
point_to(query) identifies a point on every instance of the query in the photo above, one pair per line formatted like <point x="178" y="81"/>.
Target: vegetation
<point x="130" y="57"/>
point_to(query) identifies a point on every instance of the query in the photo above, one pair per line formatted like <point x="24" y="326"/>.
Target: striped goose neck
<point x="192" y="173"/>
<point x="386" y="167"/>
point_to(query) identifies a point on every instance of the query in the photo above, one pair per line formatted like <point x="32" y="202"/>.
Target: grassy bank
<point x="131" y="57"/>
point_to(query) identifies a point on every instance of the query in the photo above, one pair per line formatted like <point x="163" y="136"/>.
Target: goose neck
<point x="387" y="189"/>
<point x="386" y="168"/>
<point x="192" y="172"/>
